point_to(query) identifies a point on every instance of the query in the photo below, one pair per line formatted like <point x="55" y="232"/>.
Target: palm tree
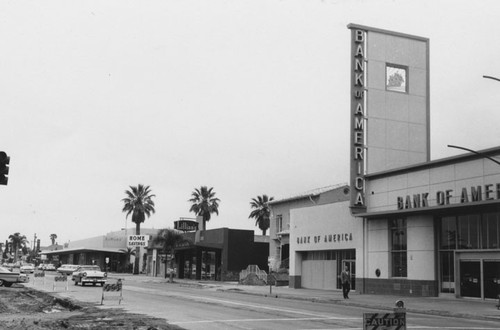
<point x="17" y="241"/>
<point x="53" y="238"/>
<point x="168" y="239"/>
<point x="261" y="212"/>
<point x="139" y="202"/>
<point x="204" y="203"/>
<point x="128" y="253"/>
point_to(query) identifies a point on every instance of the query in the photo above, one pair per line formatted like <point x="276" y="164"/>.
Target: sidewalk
<point x="456" y="307"/>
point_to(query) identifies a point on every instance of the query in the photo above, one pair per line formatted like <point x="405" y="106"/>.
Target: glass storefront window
<point x="465" y="232"/>
<point x="468" y="231"/>
<point x="399" y="247"/>
<point x="490" y="230"/>
<point x="448" y="233"/>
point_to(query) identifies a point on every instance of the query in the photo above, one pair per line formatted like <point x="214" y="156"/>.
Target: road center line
<point x="184" y="295"/>
<point x="267" y="320"/>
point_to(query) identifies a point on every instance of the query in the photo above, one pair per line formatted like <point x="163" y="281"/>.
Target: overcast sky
<point x="248" y="97"/>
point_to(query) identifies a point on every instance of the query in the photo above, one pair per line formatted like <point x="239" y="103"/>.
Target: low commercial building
<point x="321" y="237"/>
<point x="215" y="254"/>
<point x="107" y="251"/>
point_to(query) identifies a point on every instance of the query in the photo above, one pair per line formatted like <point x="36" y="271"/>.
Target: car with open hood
<point x="89" y="274"/>
<point x="8" y="277"/>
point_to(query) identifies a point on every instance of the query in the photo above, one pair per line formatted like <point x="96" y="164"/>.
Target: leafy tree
<point x="17" y="241"/>
<point x="261" y="212"/>
<point x="139" y="203"/>
<point x="53" y="238"/>
<point x="168" y="239"/>
<point x="204" y="203"/>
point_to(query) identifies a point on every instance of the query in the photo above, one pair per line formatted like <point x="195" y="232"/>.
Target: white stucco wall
<point x="377" y="249"/>
<point x="324" y="227"/>
<point x="421" y="255"/>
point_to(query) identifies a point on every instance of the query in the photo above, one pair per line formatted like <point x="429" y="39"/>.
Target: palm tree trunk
<point x="172" y="266"/>
<point x="15" y="252"/>
<point x="137" y="249"/>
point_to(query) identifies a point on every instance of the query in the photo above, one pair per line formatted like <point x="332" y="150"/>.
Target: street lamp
<point x="490" y="77"/>
<point x="474" y="152"/>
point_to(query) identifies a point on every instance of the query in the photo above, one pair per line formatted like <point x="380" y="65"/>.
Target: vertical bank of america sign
<point x="358" y="104"/>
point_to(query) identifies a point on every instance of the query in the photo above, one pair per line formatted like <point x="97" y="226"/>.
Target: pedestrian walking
<point x="345" y="278"/>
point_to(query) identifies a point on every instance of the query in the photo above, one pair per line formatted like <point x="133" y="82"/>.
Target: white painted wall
<point x="317" y="222"/>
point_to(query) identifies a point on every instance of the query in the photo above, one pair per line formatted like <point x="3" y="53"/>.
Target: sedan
<point x="49" y="267"/>
<point x="89" y="274"/>
<point x="27" y="268"/>
<point x="7" y="278"/>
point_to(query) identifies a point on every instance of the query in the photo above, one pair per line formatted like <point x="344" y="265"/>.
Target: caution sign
<point x="384" y="321"/>
<point x="137" y="240"/>
<point x="57" y="279"/>
<point x="109" y="288"/>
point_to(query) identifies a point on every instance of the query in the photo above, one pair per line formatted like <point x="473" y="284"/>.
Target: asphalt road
<point x="195" y="308"/>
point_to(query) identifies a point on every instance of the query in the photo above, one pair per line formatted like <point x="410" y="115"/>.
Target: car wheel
<point x="76" y="282"/>
<point x="2" y="282"/>
<point x="7" y="284"/>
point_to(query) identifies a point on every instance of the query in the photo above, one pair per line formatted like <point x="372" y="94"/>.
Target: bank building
<point x="405" y="224"/>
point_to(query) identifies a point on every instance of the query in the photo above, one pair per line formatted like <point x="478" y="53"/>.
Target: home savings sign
<point x="358" y="120"/>
<point x="137" y="240"/>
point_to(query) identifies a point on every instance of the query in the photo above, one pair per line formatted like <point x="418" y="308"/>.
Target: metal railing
<point x="254" y="269"/>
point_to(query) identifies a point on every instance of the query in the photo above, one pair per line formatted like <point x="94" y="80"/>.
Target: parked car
<point x="27" y="268"/>
<point x="49" y="267"/>
<point x="89" y="274"/>
<point x="67" y="269"/>
<point x="7" y="277"/>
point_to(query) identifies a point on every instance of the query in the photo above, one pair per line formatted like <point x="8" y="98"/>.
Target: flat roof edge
<point x="389" y="32"/>
<point x="438" y="162"/>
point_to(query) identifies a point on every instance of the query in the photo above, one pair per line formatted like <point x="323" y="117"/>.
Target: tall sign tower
<point x="390" y="124"/>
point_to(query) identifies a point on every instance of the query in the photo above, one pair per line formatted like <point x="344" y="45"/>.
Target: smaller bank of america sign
<point x="137" y="240"/>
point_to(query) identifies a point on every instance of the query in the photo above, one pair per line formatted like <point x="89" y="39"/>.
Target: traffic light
<point x="4" y="167"/>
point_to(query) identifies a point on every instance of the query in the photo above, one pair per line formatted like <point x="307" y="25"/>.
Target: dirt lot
<point x="25" y="308"/>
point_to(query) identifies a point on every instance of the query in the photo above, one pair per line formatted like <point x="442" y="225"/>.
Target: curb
<point x="365" y="305"/>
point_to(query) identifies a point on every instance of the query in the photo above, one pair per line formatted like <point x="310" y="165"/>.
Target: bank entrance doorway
<point x="479" y="278"/>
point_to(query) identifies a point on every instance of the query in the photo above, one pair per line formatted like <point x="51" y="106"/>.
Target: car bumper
<point x="93" y="280"/>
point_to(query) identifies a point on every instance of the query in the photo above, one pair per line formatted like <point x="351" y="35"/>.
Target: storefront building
<point x="215" y="254"/>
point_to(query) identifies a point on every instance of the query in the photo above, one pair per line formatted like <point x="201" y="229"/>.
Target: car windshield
<point x="4" y="270"/>
<point x="69" y="266"/>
